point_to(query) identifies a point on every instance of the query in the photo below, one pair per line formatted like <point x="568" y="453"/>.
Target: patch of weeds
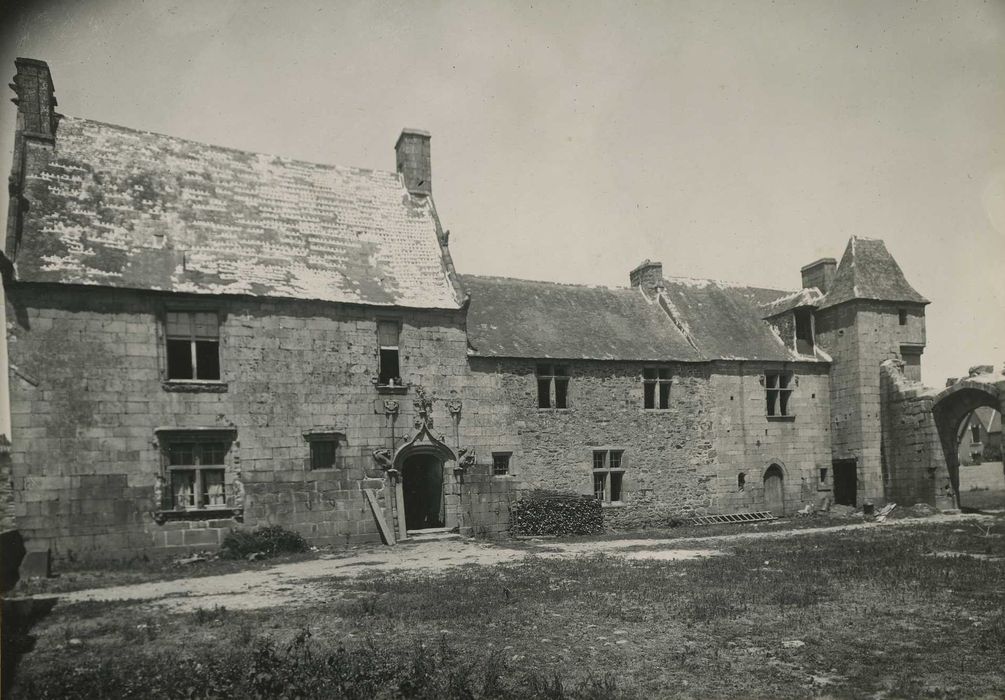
<point x="206" y="615"/>
<point x="268" y="541"/>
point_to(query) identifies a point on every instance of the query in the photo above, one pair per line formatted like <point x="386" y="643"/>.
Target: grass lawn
<point x="884" y="612"/>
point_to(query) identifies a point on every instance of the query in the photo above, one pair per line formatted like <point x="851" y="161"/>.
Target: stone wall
<point x="914" y="464"/>
<point x="859" y="336"/>
<point x="749" y="441"/>
<point x="678" y="461"/>
<point x="87" y="398"/>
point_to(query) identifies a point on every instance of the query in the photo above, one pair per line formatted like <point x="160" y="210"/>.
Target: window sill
<point x="781" y="419"/>
<point x="554" y="410"/>
<point x="214" y="513"/>
<point x="503" y="476"/>
<point x="194" y="385"/>
<point x="613" y="504"/>
<point x="397" y="390"/>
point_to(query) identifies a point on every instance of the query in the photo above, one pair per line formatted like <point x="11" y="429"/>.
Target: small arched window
<point x="741" y="481"/>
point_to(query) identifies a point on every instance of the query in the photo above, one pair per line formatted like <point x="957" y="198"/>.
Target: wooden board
<point x="378" y="514"/>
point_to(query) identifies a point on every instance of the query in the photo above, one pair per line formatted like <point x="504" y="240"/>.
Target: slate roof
<point x="124" y="208"/>
<point x="724" y="320"/>
<point x="522" y="318"/>
<point x="692" y="321"/>
<point x="868" y="271"/>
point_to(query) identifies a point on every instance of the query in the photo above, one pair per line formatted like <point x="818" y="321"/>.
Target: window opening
<point x="778" y="393"/>
<point x="608" y="475"/>
<point x="549" y="376"/>
<point x="193" y="345"/>
<point x="804" y="331"/>
<point x="741" y="481"/>
<point x="500" y="463"/>
<point x="196" y="473"/>
<point x="656" y="382"/>
<point x="323" y="452"/>
<point x="389" y="371"/>
<point x="902" y="314"/>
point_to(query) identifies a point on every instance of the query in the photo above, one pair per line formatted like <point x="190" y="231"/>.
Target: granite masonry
<point x="202" y="339"/>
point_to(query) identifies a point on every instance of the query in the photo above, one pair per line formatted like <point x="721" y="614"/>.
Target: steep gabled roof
<point x="123" y="208"/>
<point x="868" y="271"/>
<point x="724" y="321"/>
<point x="522" y="318"/>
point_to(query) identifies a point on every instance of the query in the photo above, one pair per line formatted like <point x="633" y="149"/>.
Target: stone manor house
<point x="203" y="339"/>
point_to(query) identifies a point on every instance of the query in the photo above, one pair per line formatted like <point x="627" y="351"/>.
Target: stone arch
<point x="773" y="481"/>
<point x="951" y="407"/>
<point x="774" y="462"/>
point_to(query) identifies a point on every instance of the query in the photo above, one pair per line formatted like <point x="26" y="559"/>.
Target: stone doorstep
<point x="433" y="534"/>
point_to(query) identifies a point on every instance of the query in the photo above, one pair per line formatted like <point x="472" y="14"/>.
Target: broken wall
<point x="914" y="464"/>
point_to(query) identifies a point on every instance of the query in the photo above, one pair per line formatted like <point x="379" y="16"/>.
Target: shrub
<point x="269" y="541"/>
<point x="547" y="513"/>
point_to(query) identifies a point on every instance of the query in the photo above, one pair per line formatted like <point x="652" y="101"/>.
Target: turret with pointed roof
<point x="868" y="271"/>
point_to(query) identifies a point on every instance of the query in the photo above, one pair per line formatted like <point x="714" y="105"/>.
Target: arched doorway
<point x="774" y="489"/>
<point x="951" y="409"/>
<point x="422" y="488"/>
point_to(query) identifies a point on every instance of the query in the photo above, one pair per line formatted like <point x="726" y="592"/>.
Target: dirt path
<point x="296" y="583"/>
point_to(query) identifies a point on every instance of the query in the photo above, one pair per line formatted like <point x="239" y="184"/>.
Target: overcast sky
<point x="736" y="141"/>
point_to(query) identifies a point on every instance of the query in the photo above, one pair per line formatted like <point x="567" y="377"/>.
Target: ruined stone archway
<point x="950" y="409"/>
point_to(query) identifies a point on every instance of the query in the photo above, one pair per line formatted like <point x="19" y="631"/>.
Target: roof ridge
<point x="504" y="278"/>
<point x="724" y="283"/>
<point x="219" y="147"/>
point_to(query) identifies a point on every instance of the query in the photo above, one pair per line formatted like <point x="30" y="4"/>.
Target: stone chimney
<point x="413" y="162"/>
<point x="36" y="103"/>
<point x="819" y="274"/>
<point x="647" y="275"/>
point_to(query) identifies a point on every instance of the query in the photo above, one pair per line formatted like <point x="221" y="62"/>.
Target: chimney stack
<point x="819" y="274"/>
<point x="413" y="161"/>
<point x="36" y="103"/>
<point x="647" y="275"/>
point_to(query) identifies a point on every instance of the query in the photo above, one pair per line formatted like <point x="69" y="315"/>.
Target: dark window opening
<point x="804" y="331"/>
<point x="778" y="392"/>
<point x="323" y="453"/>
<point x="616" y="486"/>
<point x="544" y="393"/>
<point x="500" y="463"/>
<point x="741" y="481"/>
<point x="902" y="314"/>
<point x="656" y="382"/>
<point x="608" y="475"/>
<point x="823" y="475"/>
<point x="600" y="485"/>
<point x="845" y="482"/>
<point x="193" y="345"/>
<point x="389" y="371"/>
<point x="548" y="376"/>
<point x="975" y="433"/>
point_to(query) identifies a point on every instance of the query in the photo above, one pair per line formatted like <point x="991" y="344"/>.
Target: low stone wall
<point x="988" y="476"/>
<point x="485" y="502"/>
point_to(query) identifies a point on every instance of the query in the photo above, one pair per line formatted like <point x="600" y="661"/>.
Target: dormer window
<point x="804" y="331"/>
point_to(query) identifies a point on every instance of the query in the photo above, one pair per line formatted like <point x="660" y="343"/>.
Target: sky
<point x="730" y="140"/>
